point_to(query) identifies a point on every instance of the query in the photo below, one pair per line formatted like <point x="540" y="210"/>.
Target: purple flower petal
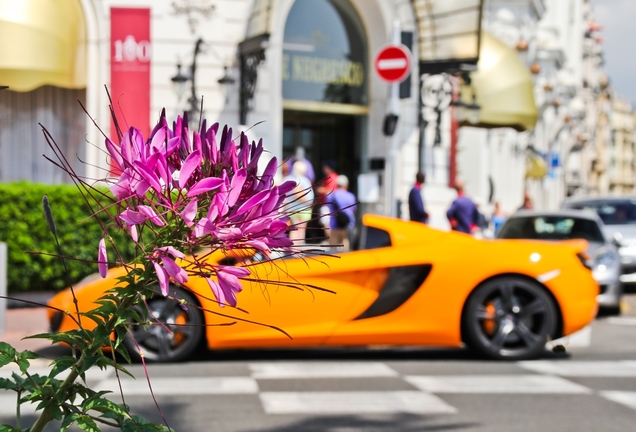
<point x="258" y="244"/>
<point x="151" y="215"/>
<point x="192" y="162"/>
<point x="236" y="271"/>
<point x="205" y="185"/>
<point x="159" y="139"/>
<point x="102" y="258"/>
<point x="176" y="272"/>
<point x="230" y="285"/>
<point x="236" y="186"/>
<point x="132" y="217"/>
<point x="133" y="233"/>
<point x="162" y="277"/>
<point x="232" y="233"/>
<point x="172" y="251"/>
<point x="122" y="189"/>
<point x="148" y="175"/>
<point x="115" y="153"/>
<point x="217" y="291"/>
<point x="189" y="213"/>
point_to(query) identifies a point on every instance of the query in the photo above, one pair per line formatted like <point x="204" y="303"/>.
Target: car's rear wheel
<point x="175" y="333"/>
<point x="509" y="318"/>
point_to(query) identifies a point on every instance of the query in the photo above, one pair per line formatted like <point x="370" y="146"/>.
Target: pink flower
<point x="162" y="277"/>
<point x="173" y="269"/>
<point x="102" y="258"/>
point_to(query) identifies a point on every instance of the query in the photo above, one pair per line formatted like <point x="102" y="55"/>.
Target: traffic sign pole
<point x="393" y="152"/>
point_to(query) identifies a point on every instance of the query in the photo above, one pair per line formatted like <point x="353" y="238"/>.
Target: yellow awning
<point x="536" y="168"/>
<point x="503" y="87"/>
<point x="42" y="42"/>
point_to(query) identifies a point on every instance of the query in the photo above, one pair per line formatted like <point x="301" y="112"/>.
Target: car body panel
<point x="610" y="288"/>
<point x="431" y="315"/>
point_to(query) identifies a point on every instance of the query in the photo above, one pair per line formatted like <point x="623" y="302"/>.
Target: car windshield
<point x="551" y="228"/>
<point x="610" y="212"/>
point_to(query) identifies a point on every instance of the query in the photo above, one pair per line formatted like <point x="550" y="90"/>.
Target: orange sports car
<point x="404" y="284"/>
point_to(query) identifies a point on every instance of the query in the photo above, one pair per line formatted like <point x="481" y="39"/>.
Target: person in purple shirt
<point x="416" y="204"/>
<point x="462" y="214"/>
<point x="341" y="201"/>
<point x="300" y="156"/>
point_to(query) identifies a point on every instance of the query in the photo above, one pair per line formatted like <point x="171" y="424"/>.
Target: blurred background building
<point x="534" y="115"/>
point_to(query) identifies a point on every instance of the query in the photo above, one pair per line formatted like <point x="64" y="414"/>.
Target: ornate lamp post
<point x="449" y="40"/>
<point x="180" y="80"/>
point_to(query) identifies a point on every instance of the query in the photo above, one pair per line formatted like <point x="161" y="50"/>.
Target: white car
<point x="604" y="261"/>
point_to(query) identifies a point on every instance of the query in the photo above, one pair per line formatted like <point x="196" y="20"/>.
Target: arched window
<point x="324" y="53"/>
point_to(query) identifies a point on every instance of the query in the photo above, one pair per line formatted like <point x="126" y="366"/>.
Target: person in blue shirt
<point x="416" y="203"/>
<point x="344" y="202"/>
<point x="462" y="214"/>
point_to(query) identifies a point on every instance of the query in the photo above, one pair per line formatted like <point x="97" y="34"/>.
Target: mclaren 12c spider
<point x="404" y="284"/>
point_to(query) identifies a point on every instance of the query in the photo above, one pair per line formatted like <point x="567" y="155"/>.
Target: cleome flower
<point x="193" y="191"/>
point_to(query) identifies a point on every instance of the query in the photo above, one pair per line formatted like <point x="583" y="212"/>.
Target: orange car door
<point x="293" y="301"/>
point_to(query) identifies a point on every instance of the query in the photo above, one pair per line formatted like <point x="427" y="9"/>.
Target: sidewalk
<point x="26" y="322"/>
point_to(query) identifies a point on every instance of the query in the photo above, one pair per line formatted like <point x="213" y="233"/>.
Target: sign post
<point x="3" y="286"/>
<point x="393" y="65"/>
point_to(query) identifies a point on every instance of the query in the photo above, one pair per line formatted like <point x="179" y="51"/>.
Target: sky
<point x="618" y="18"/>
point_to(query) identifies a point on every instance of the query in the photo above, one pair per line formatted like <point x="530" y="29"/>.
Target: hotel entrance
<point x="325" y="137"/>
<point x="324" y="77"/>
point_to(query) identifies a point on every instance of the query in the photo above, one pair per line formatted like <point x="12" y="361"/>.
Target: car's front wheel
<point x="175" y="331"/>
<point x="509" y="318"/>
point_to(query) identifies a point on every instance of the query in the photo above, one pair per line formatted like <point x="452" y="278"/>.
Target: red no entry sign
<point x="393" y="63"/>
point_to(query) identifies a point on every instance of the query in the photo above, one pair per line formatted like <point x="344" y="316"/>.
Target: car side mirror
<point x="617" y="239"/>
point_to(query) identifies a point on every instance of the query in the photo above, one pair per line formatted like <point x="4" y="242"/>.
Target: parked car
<point x="406" y="284"/>
<point x="619" y="217"/>
<point x="575" y="224"/>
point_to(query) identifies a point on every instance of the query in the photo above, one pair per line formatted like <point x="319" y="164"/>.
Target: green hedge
<point x="23" y="228"/>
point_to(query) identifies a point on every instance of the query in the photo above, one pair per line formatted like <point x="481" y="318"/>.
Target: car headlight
<point x="605" y="260"/>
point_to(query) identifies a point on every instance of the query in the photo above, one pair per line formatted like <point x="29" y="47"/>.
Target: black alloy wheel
<point x="509" y="318"/>
<point x="175" y="333"/>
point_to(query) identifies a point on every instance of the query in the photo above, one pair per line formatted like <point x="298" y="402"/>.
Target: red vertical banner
<point x="130" y="54"/>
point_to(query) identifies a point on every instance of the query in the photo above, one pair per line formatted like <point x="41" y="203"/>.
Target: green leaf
<point x="68" y="421"/>
<point x="7" y="428"/>
<point x="84" y="422"/>
<point x="7" y="354"/>
<point x="61" y="364"/>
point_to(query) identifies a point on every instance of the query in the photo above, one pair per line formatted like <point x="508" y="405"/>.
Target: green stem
<point x="18" y="418"/>
<point x="47" y="414"/>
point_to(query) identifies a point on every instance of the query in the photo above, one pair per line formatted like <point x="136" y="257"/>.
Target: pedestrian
<point x="318" y="225"/>
<point x="462" y="214"/>
<point x="417" y="212"/>
<point x="328" y="184"/>
<point x="342" y="222"/>
<point x="498" y="218"/>
<point x="299" y="202"/>
<point x="528" y="204"/>
<point x="299" y="155"/>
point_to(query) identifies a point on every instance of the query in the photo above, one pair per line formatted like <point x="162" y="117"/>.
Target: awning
<point x="42" y="42"/>
<point x="503" y="88"/>
<point x="536" y="168"/>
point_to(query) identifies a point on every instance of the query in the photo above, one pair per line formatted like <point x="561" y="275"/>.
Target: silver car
<point x="573" y="224"/>
<point x="619" y="218"/>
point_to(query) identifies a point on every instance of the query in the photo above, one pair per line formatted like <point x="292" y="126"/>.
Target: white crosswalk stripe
<point x="626" y="368"/>
<point x="353" y="402"/>
<point x="182" y="386"/>
<point x="526" y="384"/>
<point x="426" y="397"/>
<point x="298" y="370"/>
<point x="625" y="321"/>
<point x="622" y="397"/>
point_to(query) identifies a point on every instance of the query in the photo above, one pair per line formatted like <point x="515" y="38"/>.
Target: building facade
<point x="300" y="73"/>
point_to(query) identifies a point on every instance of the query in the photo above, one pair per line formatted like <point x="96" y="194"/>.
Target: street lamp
<point x="180" y="80"/>
<point x="449" y="35"/>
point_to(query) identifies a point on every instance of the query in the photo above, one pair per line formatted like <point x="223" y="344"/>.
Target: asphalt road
<point x="592" y="388"/>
